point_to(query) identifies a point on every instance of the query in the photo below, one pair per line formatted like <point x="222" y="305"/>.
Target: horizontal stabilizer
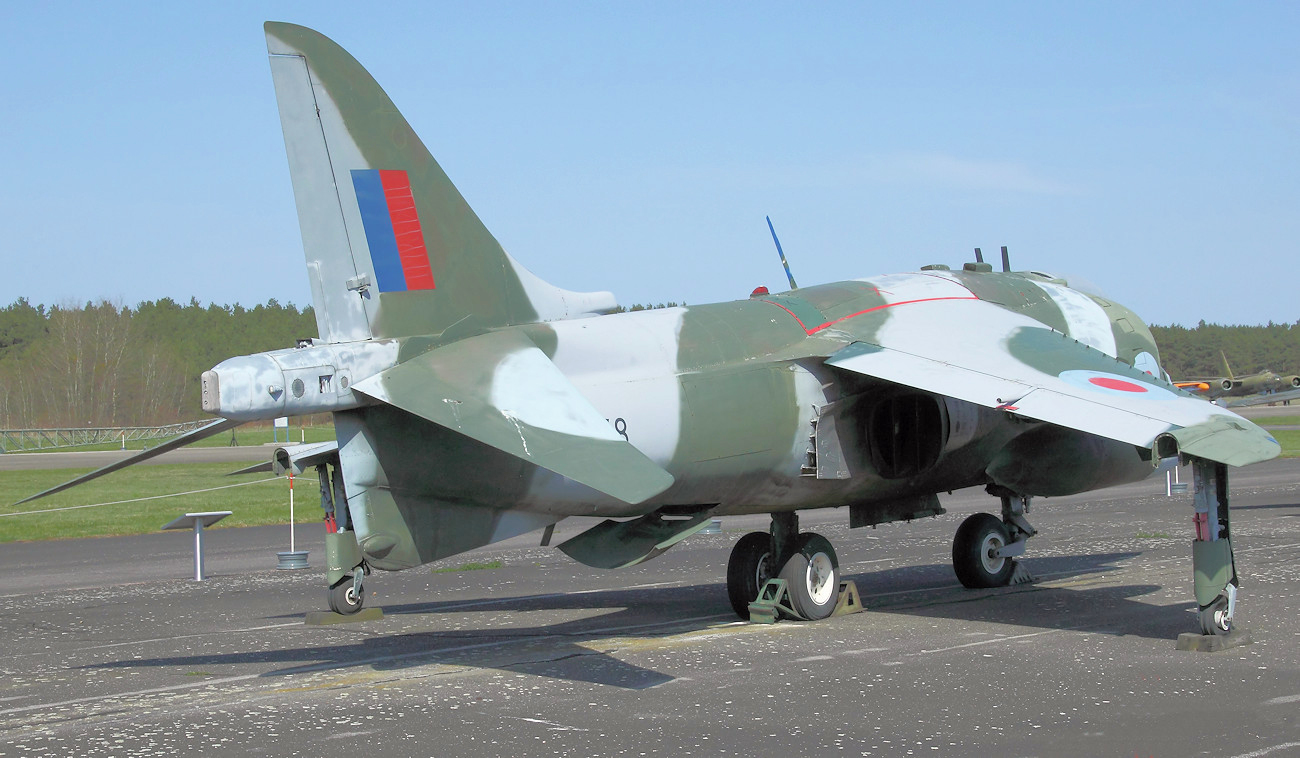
<point x="501" y="390"/>
<point x="216" y="427"/>
<point x="619" y="544"/>
<point x="989" y="356"/>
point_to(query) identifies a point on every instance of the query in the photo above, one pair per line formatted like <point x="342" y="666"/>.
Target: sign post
<point x="197" y="521"/>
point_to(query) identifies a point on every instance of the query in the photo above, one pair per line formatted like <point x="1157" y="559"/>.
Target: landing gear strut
<point x="345" y="566"/>
<point x="807" y="562"/>
<point x="1213" y="569"/>
<point x="984" y="549"/>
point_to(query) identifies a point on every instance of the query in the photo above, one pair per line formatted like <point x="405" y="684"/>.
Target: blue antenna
<point x="781" y="253"/>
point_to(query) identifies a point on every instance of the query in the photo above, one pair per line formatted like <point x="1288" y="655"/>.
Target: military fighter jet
<point x="475" y="402"/>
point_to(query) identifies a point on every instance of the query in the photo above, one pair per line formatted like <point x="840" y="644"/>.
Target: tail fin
<point x="1227" y="370"/>
<point x="392" y="248"/>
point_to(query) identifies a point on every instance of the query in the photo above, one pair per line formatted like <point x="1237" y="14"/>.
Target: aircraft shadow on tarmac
<point x="1105" y="609"/>
<point x="551" y="650"/>
<point x="556" y="650"/>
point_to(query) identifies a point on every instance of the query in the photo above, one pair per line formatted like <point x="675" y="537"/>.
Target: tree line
<point x="1200" y="351"/>
<point x="105" y="364"/>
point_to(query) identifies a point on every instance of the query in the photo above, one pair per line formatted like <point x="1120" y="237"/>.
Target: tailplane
<point x="392" y="248"/>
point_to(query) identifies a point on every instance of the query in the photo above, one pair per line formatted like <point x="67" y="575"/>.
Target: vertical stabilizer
<point x="392" y="248"/>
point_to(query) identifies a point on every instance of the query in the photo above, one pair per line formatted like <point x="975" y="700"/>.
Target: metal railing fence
<point x="22" y="440"/>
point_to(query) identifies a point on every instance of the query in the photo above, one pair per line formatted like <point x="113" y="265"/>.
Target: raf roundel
<point x="1114" y="385"/>
<point x="1111" y="383"/>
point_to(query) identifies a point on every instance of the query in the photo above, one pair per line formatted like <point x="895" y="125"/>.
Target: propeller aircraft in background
<point x="1255" y="389"/>
<point x="474" y="402"/>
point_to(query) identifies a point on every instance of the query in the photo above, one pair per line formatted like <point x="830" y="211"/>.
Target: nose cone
<point x="247" y="388"/>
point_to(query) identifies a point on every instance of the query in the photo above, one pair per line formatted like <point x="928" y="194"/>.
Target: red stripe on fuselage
<point x="406" y="228"/>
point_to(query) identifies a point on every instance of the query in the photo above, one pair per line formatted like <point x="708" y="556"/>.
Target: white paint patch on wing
<point x="527" y="387"/>
<point x="1086" y="320"/>
<point x="906" y="288"/>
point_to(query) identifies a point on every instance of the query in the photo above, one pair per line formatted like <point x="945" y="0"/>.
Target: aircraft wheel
<point x="813" y="577"/>
<point x="1214" y="617"/>
<point x="748" y="569"/>
<point x="344" y="598"/>
<point x="973" y="559"/>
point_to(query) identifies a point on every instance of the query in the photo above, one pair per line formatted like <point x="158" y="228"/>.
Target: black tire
<point x="343" y="600"/>
<point x="748" y="570"/>
<point x="813" y="577"/>
<point x="977" y="539"/>
<point x="1214" y="619"/>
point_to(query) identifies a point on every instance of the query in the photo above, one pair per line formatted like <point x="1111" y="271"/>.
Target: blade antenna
<point x="1006" y="260"/>
<point x="781" y="253"/>
<point x="979" y="255"/>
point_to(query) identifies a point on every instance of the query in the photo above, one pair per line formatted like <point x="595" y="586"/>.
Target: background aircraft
<point x="474" y="402"/>
<point x="1263" y="383"/>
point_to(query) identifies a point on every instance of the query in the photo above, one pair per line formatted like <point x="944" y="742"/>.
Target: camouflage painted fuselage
<point x="731" y="399"/>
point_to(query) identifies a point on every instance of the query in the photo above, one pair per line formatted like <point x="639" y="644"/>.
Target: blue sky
<point x="1150" y="148"/>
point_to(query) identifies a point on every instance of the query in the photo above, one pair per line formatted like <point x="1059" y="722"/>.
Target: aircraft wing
<point x="500" y="389"/>
<point x="1266" y="398"/>
<point x="984" y="354"/>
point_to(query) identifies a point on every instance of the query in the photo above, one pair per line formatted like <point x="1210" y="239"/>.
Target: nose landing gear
<point x="985" y="547"/>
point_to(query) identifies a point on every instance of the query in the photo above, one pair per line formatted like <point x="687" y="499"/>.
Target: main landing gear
<point x="985" y="548"/>
<point x="806" y="562"/>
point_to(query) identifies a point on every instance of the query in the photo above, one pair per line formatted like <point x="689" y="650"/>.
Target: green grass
<point x="469" y="567"/>
<point x="1289" y="439"/>
<point x="263" y="500"/>
<point x="1267" y="421"/>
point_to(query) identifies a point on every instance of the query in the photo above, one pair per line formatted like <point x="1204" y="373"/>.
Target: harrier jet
<point x="474" y="402"/>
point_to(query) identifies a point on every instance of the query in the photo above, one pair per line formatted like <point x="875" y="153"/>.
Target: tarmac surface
<point x="111" y="649"/>
<point x="74" y="459"/>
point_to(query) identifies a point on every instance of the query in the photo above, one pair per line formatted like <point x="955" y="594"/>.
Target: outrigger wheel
<point x="1214" y="617"/>
<point x="346" y="596"/>
<point x="974" y="552"/>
